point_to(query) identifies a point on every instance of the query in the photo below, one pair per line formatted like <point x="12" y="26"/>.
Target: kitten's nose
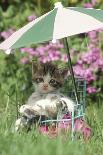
<point x="45" y="85"/>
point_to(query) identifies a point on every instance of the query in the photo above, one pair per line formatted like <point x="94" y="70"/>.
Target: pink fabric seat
<point x="80" y="126"/>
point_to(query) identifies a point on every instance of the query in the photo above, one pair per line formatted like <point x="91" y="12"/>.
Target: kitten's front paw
<point x="62" y="106"/>
<point x="27" y="111"/>
<point x="20" y="124"/>
<point x="23" y="108"/>
<point x="17" y="124"/>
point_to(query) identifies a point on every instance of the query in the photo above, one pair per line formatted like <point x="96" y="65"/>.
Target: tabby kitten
<point x="47" y="99"/>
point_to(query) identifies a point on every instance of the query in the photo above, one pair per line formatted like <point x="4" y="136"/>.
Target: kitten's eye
<point x="38" y="80"/>
<point x="52" y="81"/>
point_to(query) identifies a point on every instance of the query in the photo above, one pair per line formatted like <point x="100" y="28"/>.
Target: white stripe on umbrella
<point x="65" y="25"/>
<point x="14" y="37"/>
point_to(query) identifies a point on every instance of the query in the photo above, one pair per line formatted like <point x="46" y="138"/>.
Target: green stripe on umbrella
<point x="97" y="14"/>
<point x="39" y="32"/>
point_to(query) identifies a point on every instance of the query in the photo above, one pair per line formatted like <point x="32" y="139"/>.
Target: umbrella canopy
<point x="56" y="24"/>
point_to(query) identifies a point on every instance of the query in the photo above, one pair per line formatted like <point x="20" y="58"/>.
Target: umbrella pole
<point x="71" y="69"/>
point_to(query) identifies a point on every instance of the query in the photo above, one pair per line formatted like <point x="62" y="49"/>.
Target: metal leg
<point x="71" y="69"/>
<point x="72" y="125"/>
<point x="17" y="113"/>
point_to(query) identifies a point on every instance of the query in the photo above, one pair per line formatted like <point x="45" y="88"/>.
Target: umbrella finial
<point x="54" y="41"/>
<point x="8" y="51"/>
<point x="58" y="5"/>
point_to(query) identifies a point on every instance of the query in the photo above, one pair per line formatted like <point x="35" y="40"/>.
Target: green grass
<point x="33" y="143"/>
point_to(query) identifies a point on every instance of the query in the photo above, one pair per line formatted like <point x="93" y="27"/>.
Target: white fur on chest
<point x="42" y="100"/>
<point x="46" y="100"/>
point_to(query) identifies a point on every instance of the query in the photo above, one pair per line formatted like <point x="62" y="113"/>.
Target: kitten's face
<point x="47" y="77"/>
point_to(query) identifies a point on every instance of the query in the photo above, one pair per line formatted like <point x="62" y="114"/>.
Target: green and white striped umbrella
<point x="58" y="23"/>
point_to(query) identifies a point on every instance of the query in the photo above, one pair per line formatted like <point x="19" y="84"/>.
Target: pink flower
<point x="78" y="70"/>
<point x="91" y="46"/>
<point x="41" y="50"/>
<point x="92" y="34"/>
<point x="88" y="5"/>
<point x="64" y="58"/>
<point x="88" y="75"/>
<point x="23" y="50"/>
<point x="7" y="34"/>
<point x="91" y="90"/>
<point x="91" y="56"/>
<point x="86" y="132"/>
<point x="54" y="55"/>
<point x="57" y="45"/>
<point x="94" y="40"/>
<point x="44" y="59"/>
<point x="100" y="63"/>
<point x="44" y="129"/>
<point x="80" y="62"/>
<point x="24" y="60"/>
<point x="32" y="52"/>
<point x="94" y="2"/>
<point x="31" y="17"/>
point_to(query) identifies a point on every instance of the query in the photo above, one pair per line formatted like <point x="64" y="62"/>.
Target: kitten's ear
<point x="34" y="67"/>
<point x="64" y="72"/>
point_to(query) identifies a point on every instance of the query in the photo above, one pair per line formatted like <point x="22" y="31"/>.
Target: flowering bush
<point x="90" y="63"/>
<point x="45" y="53"/>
